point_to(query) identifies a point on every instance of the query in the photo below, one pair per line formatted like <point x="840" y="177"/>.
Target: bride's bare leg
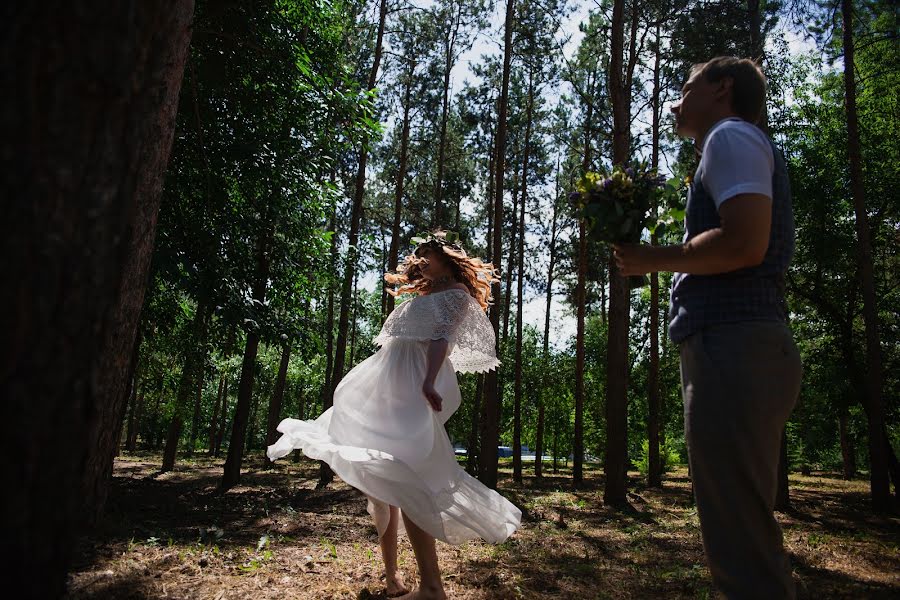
<point x="388" y="541"/>
<point x="430" y="585"/>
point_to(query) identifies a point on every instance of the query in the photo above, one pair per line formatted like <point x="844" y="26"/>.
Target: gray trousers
<point x="740" y="382"/>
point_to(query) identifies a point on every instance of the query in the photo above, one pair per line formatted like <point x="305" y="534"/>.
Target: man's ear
<point x="724" y="89"/>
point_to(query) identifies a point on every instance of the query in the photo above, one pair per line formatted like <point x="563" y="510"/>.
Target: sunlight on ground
<point x="275" y="536"/>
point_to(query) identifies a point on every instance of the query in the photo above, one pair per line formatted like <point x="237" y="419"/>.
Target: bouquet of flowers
<point x="617" y="205"/>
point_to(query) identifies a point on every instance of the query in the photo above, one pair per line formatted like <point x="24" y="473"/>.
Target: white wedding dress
<point x="383" y="438"/>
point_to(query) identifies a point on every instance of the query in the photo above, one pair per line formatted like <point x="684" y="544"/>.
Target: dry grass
<point x="275" y="536"/>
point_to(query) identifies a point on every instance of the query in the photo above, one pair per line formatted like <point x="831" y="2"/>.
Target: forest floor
<point x="275" y="536"/>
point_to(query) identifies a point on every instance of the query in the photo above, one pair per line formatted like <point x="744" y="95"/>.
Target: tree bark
<point x="394" y="253"/>
<point x="490" y="433"/>
<point x="198" y="404"/>
<point x="654" y="470"/>
<point x="223" y="422"/>
<point x="325" y="474"/>
<point x="513" y="236"/>
<point x="520" y="286"/>
<point x="472" y="445"/>
<point x="617" y="341"/>
<point x="190" y="371"/>
<point x="88" y="119"/>
<point x="274" y="416"/>
<point x="539" y="433"/>
<point x="232" y="469"/>
<point x="214" y="422"/>
<point x="449" y="44"/>
<point x="848" y="452"/>
<point x="580" y="300"/>
<point x="880" y="486"/>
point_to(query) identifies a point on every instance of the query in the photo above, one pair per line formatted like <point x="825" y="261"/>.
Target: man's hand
<point x="634" y="259"/>
<point x="740" y="241"/>
<point x="434" y="399"/>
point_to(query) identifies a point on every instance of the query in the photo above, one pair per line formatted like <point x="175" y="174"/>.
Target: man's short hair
<point x="748" y="91"/>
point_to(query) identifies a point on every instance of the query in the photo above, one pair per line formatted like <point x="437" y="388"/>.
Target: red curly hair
<point x="474" y="273"/>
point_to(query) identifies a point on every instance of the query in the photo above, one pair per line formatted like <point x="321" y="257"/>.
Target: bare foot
<point x="395" y="586"/>
<point x="425" y="594"/>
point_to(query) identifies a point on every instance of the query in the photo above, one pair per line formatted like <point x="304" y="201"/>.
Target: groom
<point x="740" y="368"/>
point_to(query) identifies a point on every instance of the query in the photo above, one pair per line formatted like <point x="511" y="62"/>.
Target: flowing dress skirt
<point x="382" y="437"/>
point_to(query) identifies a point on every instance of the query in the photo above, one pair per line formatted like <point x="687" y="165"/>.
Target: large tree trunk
<point x="654" y="470"/>
<point x="190" y="372"/>
<point x="539" y="433"/>
<point x="449" y="49"/>
<point x="580" y="300"/>
<point x="520" y="286"/>
<point x="274" y="416"/>
<point x="328" y="325"/>
<point x="325" y="474"/>
<point x="617" y="342"/>
<point x="514" y="232"/>
<point x="394" y="252"/>
<point x="214" y="422"/>
<point x="88" y="119"/>
<point x="880" y="487"/>
<point x="490" y="433"/>
<point x="232" y="468"/>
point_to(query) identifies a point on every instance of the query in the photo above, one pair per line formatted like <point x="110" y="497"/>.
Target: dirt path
<point x="276" y="537"/>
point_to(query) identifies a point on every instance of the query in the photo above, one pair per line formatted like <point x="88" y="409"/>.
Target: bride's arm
<point x="437" y="352"/>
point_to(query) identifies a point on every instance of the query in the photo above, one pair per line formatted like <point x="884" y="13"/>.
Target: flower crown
<point x="439" y="239"/>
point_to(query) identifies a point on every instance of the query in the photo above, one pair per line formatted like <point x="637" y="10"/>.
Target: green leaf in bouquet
<point x="417" y="240"/>
<point x="677" y="214"/>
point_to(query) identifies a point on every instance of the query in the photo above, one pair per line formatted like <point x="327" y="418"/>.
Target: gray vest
<point x="750" y="294"/>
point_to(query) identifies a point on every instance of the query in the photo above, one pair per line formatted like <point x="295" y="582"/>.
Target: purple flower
<point x="629" y="171"/>
<point x="575" y="196"/>
<point x="606" y="183"/>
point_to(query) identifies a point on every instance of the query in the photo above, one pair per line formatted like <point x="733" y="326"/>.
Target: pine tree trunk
<point x="328" y="325"/>
<point x="490" y="434"/>
<point x="513" y="236"/>
<point x="848" y="452"/>
<point x="132" y="417"/>
<point x="617" y="343"/>
<point x="580" y="299"/>
<point x="472" y="445"/>
<point x="325" y="474"/>
<point x="223" y="421"/>
<point x="539" y="433"/>
<point x="520" y="286"/>
<point x="654" y="470"/>
<point x="198" y="404"/>
<point x="190" y="371"/>
<point x="880" y="486"/>
<point x="274" y="416"/>
<point x="231" y="474"/>
<point x="214" y="422"/>
<point x="394" y="252"/>
<point x="449" y="44"/>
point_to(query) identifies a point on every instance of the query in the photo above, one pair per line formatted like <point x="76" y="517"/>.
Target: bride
<point x="385" y="433"/>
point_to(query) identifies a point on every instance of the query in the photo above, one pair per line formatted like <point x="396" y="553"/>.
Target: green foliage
<point x="669" y="457"/>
